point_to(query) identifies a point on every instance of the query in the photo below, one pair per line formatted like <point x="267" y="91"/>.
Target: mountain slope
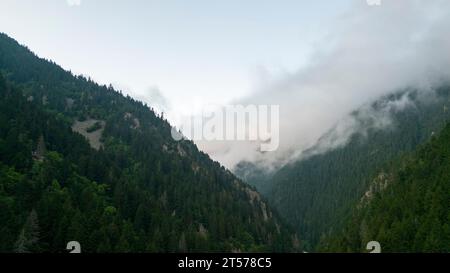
<point x="317" y="193"/>
<point x="82" y="162"/>
<point x="408" y="207"/>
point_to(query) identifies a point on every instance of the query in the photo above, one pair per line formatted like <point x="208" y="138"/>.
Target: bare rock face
<point x="379" y="184"/>
<point x="41" y="150"/>
<point x="92" y="130"/>
<point x="135" y="123"/>
<point x="255" y="199"/>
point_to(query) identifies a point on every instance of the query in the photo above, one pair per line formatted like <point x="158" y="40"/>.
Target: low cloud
<point x="157" y="100"/>
<point x="369" y="52"/>
<point x="368" y="117"/>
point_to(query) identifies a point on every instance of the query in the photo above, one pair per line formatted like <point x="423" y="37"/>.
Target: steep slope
<point x="408" y="206"/>
<point x="317" y="193"/>
<point x="255" y="175"/>
<point x="79" y="161"/>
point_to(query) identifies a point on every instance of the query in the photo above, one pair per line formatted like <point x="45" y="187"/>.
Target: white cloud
<point x="370" y="52"/>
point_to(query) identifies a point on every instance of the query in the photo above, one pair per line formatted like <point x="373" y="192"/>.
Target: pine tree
<point x="29" y="235"/>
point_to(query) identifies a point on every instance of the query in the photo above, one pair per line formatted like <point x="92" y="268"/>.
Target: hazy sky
<point x="370" y="52"/>
<point x="318" y="59"/>
<point x="191" y="51"/>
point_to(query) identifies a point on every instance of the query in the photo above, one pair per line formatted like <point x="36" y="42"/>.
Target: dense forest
<point x="407" y="206"/>
<point x="82" y="162"/>
<point x="317" y="193"/>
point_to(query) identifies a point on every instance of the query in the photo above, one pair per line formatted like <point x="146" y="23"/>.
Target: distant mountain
<point x="255" y="175"/>
<point x="317" y="193"/>
<point x="82" y="162"/>
<point x="407" y="206"/>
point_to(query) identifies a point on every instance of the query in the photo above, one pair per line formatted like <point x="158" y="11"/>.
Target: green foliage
<point x="29" y="235"/>
<point x="412" y="214"/>
<point x="96" y="126"/>
<point x="141" y="191"/>
<point x="316" y="195"/>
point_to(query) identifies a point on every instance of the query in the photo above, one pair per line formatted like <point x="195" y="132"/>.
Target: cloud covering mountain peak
<point x="369" y="52"/>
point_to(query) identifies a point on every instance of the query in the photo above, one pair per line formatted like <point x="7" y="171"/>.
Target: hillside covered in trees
<point x="407" y="206"/>
<point x="81" y="162"/>
<point x="317" y="193"/>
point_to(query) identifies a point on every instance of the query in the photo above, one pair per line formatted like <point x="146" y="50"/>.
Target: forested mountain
<point x="255" y="175"/>
<point x="317" y="194"/>
<point x="407" y="207"/>
<point x="79" y="161"/>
